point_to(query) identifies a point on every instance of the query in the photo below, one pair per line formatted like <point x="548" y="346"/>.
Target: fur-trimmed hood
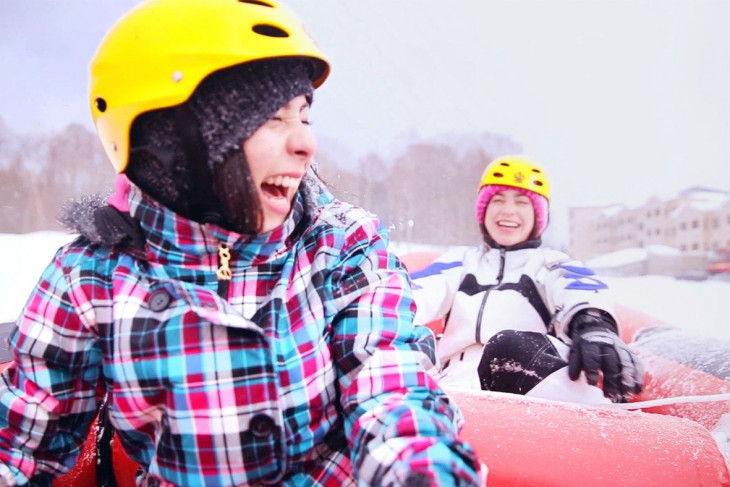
<point x="102" y="220"/>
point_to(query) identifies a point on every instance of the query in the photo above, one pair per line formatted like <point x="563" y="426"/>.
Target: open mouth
<point x="278" y="187"/>
<point x="508" y="224"/>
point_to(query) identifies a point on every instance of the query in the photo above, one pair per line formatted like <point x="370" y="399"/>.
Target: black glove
<point x="597" y="347"/>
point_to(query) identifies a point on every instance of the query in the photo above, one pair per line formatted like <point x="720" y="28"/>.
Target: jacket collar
<point x="528" y="244"/>
<point x="175" y="240"/>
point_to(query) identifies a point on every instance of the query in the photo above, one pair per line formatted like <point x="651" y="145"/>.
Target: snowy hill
<point x="697" y="306"/>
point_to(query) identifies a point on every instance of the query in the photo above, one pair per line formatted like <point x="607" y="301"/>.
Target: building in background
<point x="695" y="223"/>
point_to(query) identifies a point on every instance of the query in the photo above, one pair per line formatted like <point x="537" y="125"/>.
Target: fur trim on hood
<point x="101" y="223"/>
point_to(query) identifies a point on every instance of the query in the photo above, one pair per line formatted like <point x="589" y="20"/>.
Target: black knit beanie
<point x="231" y="104"/>
<point x="228" y="107"/>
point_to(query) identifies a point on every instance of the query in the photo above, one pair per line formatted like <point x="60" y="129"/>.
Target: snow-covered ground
<point x="701" y="306"/>
<point x="22" y="260"/>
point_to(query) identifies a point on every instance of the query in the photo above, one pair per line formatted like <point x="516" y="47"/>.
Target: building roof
<point x="705" y="199"/>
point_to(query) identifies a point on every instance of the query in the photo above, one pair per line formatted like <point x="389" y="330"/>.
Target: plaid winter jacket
<point x="288" y="358"/>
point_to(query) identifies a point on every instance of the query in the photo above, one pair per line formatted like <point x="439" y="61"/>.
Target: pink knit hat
<point x="118" y="199"/>
<point x="539" y="204"/>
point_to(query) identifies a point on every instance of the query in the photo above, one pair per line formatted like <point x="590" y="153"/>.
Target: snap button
<point x="262" y="425"/>
<point x="159" y="300"/>
<point x="417" y="480"/>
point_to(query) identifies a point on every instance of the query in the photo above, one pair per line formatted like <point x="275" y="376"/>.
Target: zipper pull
<point x="224" y="260"/>
<point x="224" y="269"/>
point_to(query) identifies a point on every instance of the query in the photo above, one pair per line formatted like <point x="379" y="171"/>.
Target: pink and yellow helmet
<point x="523" y="174"/>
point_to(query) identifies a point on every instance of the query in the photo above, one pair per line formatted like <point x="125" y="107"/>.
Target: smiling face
<point x="279" y="154"/>
<point x="509" y="218"/>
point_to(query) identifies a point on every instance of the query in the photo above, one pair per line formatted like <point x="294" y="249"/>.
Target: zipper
<point x="223" y="273"/>
<point x="500" y="276"/>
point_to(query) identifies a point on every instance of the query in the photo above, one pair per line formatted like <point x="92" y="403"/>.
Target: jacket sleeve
<point x="48" y="394"/>
<point x="435" y="286"/>
<point x="400" y="426"/>
<point x="569" y="287"/>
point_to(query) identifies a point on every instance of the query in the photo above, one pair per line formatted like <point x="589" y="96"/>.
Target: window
<point x="695" y="223"/>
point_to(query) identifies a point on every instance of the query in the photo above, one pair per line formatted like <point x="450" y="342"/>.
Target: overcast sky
<point x="620" y="100"/>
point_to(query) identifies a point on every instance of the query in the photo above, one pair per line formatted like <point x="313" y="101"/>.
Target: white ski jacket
<point x="479" y="291"/>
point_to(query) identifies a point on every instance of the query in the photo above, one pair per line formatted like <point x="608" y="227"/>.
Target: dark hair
<point x="234" y="188"/>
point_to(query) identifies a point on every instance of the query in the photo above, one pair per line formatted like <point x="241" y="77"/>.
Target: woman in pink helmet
<point x="518" y="317"/>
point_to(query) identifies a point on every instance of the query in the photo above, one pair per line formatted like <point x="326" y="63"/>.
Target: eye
<point x="278" y="119"/>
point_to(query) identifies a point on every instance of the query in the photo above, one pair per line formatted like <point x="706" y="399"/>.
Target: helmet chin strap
<point x="204" y="204"/>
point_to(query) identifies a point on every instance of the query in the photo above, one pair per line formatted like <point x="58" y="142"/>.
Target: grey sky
<point x="620" y="100"/>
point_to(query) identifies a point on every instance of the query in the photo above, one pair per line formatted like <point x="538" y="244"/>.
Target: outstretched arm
<point x="401" y="427"/>
<point x="435" y="286"/>
<point x="48" y="394"/>
<point x="583" y="317"/>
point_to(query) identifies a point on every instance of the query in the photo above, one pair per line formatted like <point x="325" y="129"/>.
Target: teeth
<point x="508" y="224"/>
<point x="285" y="181"/>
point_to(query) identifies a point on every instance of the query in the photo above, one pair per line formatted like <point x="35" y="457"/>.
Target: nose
<point x="301" y="141"/>
<point x="509" y="207"/>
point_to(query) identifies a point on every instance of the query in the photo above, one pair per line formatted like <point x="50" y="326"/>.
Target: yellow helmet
<point x="159" y="52"/>
<point x="516" y="171"/>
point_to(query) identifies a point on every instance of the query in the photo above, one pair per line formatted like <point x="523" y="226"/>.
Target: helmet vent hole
<point x="505" y="164"/>
<point x="100" y="104"/>
<point x="498" y="175"/>
<point x="257" y="2"/>
<point x="269" y="30"/>
<point x="536" y="170"/>
<point x="538" y="183"/>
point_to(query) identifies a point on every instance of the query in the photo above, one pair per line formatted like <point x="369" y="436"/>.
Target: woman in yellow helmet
<point x="521" y="318"/>
<point x="244" y="326"/>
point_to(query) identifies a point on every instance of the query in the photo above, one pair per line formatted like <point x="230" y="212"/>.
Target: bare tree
<point x="426" y="194"/>
<point x="39" y="173"/>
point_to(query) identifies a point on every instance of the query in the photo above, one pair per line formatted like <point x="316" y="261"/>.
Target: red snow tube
<point x="682" y="365"/>
<point x="528" y="442"/>
<point x="531" y="443"/>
